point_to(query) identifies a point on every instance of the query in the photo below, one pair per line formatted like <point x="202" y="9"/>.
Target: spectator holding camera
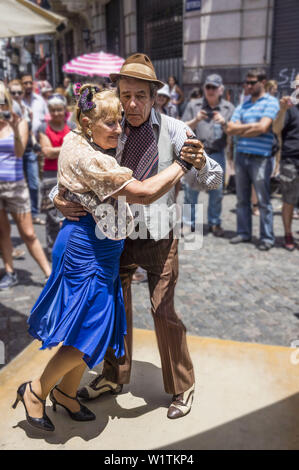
<point x="252" y="122"/>
<point x="207" y="116"/>
<point x="287" y="125"/>
<point x="17" y="94"/>
<point x="14" y="195"/>
<point x="30" y="160"/>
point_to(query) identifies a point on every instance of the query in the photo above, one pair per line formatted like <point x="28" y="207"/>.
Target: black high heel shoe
<point x="84" y="414"/>
<point x="43" y="423"/>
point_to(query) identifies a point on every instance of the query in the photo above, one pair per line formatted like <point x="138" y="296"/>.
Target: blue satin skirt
<point x="82" y="303"/>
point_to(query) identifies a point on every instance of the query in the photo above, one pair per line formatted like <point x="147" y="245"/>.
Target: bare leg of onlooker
<point x="5" y="242"/>
<point x="27" y="233"/>
<point x="287" y="217"/>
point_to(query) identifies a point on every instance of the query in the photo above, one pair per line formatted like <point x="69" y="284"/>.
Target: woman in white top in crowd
<point x="176" y="94"/>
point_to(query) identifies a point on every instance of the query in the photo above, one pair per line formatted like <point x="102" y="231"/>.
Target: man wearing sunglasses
<point x="17" y="94"/>
<point x="252" y="123"/>
<point x="207" y="116"/>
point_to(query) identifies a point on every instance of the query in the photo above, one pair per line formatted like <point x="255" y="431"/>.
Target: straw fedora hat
<point x="138" y="66"/>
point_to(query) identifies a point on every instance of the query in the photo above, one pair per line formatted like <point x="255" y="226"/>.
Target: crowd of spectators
<point x="258" y="136"/>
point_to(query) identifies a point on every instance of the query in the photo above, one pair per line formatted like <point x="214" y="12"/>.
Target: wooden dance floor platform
<point x="247" y="397"/>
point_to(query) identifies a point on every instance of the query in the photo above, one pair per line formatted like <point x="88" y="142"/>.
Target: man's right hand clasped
<point x="193" y="152"/>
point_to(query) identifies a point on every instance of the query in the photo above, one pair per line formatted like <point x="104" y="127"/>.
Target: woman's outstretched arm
<point x="148" y="191"/>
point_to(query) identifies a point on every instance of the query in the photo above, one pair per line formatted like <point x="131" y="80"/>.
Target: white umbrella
<point x="95" y="63"/>
<point x="24" y="18"/>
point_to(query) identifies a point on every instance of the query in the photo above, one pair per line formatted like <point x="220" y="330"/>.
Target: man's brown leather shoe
<point x="181" y="404"/>
<point x="216" y="230"/>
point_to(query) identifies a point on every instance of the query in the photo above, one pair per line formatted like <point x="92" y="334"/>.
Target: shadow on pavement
<point x="227" y="233"/>
<point x="273" y="427"/>
<point x="16" y="240"/>
<point x="13" y="332"/>
<point x="24" y="279"/>
<point x="146" y="384"/>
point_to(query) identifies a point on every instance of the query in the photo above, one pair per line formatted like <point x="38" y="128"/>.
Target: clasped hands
<point x="193" y="152"/>
<point x="216" y="116"/>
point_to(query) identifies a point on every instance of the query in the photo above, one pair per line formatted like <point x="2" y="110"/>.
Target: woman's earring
<point x="90" y="135"/>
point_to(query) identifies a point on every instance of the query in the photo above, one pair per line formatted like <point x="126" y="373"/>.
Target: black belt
<point x="210" y="151"/>
<point x="253" y="155"/>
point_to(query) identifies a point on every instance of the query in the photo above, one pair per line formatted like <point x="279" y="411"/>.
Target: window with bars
<point x="160" y="28"/>
<point x="69" y="45"/>
<point x="115" y="27"/>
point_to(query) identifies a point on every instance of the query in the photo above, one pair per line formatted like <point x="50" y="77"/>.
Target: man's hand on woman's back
<point x="70" y="210"/>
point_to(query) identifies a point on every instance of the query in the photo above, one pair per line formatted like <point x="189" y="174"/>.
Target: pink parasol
<point x="95" y="63"/>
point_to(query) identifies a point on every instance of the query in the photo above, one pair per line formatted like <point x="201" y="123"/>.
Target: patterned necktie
<point x="140" y="153"/>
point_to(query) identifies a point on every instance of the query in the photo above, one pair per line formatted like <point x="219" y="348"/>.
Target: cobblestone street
<point x="224" y="291"/>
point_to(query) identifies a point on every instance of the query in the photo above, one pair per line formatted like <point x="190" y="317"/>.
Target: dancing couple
<point x="86" y="304"/>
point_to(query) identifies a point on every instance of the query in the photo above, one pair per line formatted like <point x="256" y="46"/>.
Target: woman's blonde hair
<point x="5" y="96"/>
<point x="15" y="82"/>
<point x="107" y="105"/>
<point x="270" y="84"/>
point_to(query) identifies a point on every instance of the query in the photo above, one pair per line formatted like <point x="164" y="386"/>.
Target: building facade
<point x="285" y="43"/>
<point x="189" y="38"/>
<point x="185" y="38"/>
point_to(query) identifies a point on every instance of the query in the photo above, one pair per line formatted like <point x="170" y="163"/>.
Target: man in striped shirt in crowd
<point x="252" y="123"/>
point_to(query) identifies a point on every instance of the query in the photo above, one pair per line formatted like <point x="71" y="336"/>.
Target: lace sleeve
<point x="103" y="175"/>
<point x="81" y="168"/>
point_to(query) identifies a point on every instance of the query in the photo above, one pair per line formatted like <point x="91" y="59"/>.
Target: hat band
<point x="144" y="70"/>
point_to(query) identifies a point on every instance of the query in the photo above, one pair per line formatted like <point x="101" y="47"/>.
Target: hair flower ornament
<point x="85" y="101"/>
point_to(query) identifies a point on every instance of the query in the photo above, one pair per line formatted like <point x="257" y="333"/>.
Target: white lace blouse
<point x="91" y="178"/>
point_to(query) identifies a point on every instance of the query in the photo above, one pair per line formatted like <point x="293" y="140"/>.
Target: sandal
<point x="255" y="209"/>
<point x="289" y="243"/>
<point x="17" y="253"/>
<point x="38" y="221"/>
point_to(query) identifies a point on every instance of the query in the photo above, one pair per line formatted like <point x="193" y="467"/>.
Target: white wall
<point x="227" y="34"/>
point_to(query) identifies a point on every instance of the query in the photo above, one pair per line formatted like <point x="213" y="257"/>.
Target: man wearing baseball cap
<point x="207" y="116"/>
<point x="149" y="142"/>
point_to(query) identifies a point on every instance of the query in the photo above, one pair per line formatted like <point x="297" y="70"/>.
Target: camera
<point x="36" y="147"/>
<point x="210" y="115"/>
<point x="5" y="115"/>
